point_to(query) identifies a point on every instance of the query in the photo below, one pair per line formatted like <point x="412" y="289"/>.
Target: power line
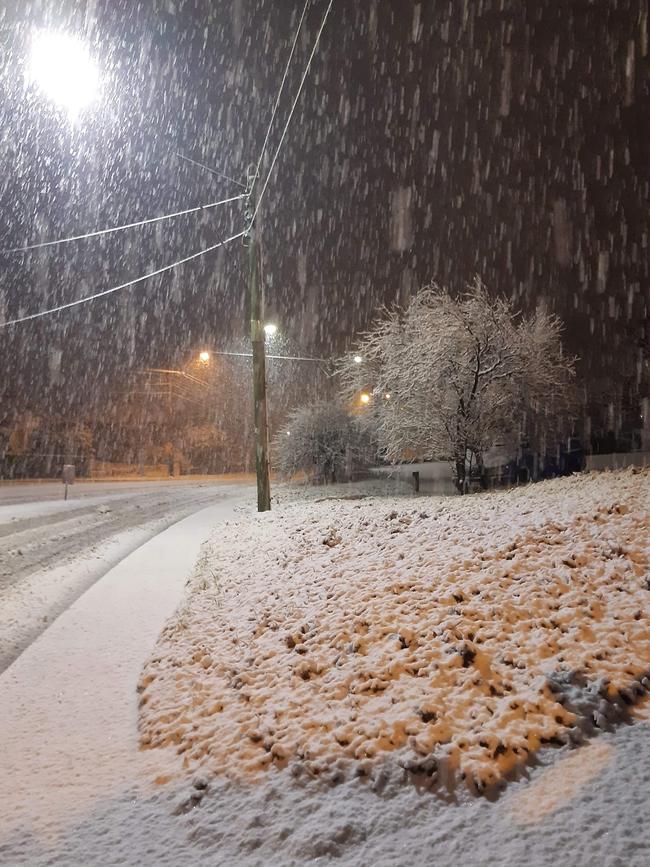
<point x="278" y="357"/>
<point x="181" y="373"/>
<point x="191" y="210"/>
<point x="125" y="226"/>
<point x="212" y="171"/>
<point x="277" y="101"/>
<point x="291" y="113"/>
<point x="122" y="285"/>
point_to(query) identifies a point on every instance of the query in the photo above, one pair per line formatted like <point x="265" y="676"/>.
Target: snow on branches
<point x="321" y="439"/>
<point x="451" y="376"/>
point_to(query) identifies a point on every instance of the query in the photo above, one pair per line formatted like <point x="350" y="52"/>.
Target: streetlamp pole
<point x="259" y="357"/>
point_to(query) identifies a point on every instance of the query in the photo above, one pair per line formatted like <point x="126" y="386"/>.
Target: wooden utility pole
<point x="259" y="358"/>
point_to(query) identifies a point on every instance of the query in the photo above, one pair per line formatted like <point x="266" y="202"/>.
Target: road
<point x="52" y="550"/>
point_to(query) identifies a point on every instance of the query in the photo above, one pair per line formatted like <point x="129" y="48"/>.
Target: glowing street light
<point x="62" y="68"/>
<point x="270" y="329"/>
<point x="357" y="359"/>
<point x="365" y="398"/>
<point x="204" y="357"/>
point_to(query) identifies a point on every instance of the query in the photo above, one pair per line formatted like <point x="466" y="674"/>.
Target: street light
<point x="62" y="68"/>
<point x="270" y="329"/>
<point x="365" y="398"/>
<point x="204" y="357"/>
<point x="357" y="359"/>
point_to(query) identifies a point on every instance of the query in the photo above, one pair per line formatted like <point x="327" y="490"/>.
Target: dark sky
<point x="433" y="141"/>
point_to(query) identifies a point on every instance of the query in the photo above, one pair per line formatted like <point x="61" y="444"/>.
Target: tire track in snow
<point x="64" y="554"/>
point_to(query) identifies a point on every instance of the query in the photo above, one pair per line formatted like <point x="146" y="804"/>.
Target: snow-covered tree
<point x="452" y="376"/>
<point x="321" y="439"/>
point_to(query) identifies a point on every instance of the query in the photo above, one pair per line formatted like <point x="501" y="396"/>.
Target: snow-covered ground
<point x="436" y="477"/>
<point x="383" y="590"/>
<point x="449" y="635"/>
<point x="52" y="550"/>
<point x="434" y="645"/>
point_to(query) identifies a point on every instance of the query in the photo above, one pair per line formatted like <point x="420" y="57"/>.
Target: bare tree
<point x="449" y="377"/>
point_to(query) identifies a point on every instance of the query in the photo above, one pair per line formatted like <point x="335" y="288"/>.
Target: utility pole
<point x="259" y="357"/>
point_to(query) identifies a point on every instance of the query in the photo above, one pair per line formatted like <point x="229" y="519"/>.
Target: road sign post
<point x="68" y="478"/>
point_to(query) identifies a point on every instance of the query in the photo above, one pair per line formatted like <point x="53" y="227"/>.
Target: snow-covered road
<point x="52" y="550"/>
<point x="68" y="716"/>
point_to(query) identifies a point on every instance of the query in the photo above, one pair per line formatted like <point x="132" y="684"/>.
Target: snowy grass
<point x="448" y="637"/>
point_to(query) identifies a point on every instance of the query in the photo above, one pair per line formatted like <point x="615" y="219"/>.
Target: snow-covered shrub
<point x="452" y="376"/>
<point x="321" y="439"/>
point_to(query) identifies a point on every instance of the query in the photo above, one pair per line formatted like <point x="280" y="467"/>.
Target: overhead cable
<point x="126" y="285"/>
<point x="125" y="226"/>
<point x="280" y="91"/>
<point x="279" y="357"/>
<point x="291" y="113"/>
<point x="212" y="171"/>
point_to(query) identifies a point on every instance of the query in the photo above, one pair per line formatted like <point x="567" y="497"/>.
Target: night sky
<point x="433" y="141"/>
